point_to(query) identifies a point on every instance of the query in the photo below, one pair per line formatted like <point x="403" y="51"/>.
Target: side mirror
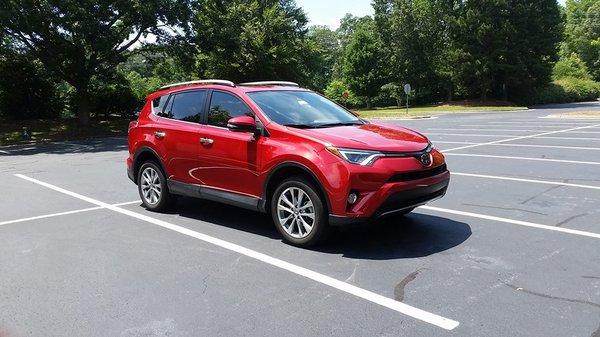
<point x="242" y="124"/>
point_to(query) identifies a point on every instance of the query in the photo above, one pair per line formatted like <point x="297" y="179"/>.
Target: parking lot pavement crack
<point x="592" y="277"/>
<point x="505" y="208"/>
<point x="569" y="219"/>
<point x="539" y="194"/>
<point x="597" y="332"/>
<point x="558" y="298"/>
<point x="399" y="289"/>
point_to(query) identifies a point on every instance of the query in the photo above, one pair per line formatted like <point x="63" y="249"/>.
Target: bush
<point x="26" y="90"/>
<point x="571" y="66"/>
<point x="114" y="99"/>
<point x="338" y="91"/>
<point x="567" y="90"/>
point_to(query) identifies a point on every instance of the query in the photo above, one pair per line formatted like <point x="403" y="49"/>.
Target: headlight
<point x="359" y="157"/>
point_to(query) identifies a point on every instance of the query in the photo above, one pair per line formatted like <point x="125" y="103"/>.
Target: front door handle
<point x="206" y="141"/>
<point x="159" y="134"/>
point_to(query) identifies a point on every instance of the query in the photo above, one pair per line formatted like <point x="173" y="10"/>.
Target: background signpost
<point x="407" y="90"/>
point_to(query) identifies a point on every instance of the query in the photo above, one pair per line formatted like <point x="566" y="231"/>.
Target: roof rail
<point x="222" y="82"/>
<point x="282" y="83"/>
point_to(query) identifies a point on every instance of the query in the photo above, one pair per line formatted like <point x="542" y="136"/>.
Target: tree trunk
<point x="83" y="107"/>
<point x="450" y="96"/>
<point x="368" y="103"/>
<point x="399" y="102"/>
<point x="505" y="92"/>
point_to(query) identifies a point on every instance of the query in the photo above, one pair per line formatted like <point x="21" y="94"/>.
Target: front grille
<point x="415" y="175"/>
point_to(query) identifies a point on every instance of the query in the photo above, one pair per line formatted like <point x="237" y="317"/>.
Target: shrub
<point x="26" y="90"/>
<point x="568" y="89"/>
<point x="571" y="66"/>
<point x="338" y="91"/>
<point x="114" y="99"/>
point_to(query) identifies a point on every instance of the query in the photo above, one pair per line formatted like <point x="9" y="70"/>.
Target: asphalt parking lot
<point x="513" y="249"/>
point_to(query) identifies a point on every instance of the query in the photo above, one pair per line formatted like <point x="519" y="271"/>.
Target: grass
<point x="394" y="112"/>
<point x="60" y="129"/>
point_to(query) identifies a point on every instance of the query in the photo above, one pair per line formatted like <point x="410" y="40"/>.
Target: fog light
<point x="352" y="198"/>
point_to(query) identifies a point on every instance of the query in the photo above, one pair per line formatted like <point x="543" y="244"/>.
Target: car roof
<point x="235" y="89"/>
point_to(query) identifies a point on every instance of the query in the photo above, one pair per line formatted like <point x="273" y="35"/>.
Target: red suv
<point x="277" y="148"/>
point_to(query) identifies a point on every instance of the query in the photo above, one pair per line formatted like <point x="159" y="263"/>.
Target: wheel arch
<point x="144" y="154"/>
<point x="283" y="171"/>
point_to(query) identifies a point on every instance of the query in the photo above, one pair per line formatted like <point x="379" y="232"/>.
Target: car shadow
<point x="111" y="144"/>
<point x="414" y="235"/>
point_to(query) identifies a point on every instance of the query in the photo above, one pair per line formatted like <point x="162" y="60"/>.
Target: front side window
<point x="224" y="106"/>
<point x="187" y="106"/>
<point x="302" y="109"/>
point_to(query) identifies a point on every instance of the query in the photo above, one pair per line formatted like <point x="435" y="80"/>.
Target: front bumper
<point x="396" y="198"/>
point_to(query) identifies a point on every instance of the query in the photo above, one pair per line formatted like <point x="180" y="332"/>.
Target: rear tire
<point x="299" y="213"/>
<point x="153" y="189"/>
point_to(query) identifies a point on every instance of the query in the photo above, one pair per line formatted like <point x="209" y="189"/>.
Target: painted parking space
<point x="475" y="257"/>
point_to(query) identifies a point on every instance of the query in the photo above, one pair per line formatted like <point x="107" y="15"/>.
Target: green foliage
<point x="395" y="91"/>
<point x="339" y="91"/>
<point x="26" y="90"/>
<point x="362" y="64"/>
<point x="568" y="89"/>
<point x="571" y="66"/>
<point x="247" y="40"/>
<point x="325" y="51"/>
<point x="505" y="48"/>
<point x="582" y="32"/>
<point x="80" y="40"/>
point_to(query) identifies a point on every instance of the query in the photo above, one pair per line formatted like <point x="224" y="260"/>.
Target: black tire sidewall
<point x="320" y="225"/>
<point x="164" y="200"/>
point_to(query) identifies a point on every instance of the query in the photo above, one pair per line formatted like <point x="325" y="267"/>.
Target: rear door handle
<point x="206" y="141"/>
<point x="159" y="134"/>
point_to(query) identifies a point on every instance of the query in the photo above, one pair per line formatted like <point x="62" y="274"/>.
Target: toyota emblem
<point x="426" y="159"/>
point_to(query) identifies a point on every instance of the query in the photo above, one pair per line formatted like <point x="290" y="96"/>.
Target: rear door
<point x="177" y="133"/>
<point x="228" y="159"/>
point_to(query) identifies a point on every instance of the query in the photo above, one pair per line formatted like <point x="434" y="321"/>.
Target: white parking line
<point x="63" y="213"/>
<point x="400" y="307"/>
<point x="545" y="182"/>
<point x="524" y="158"/>
<point x="526" y="127"/>
<point x="506" y="136"/>
<point x="545" y="123"/>
<point x="511" y="221"/>
<point x="522" y="137"/>
<point x="529" y="145"/>
<point x="506" y="130"/>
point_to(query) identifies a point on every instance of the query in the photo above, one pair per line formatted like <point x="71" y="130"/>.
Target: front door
<point x="228" y="159"/>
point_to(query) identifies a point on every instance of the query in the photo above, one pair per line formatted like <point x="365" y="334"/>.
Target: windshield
<point x="302" y="109"/>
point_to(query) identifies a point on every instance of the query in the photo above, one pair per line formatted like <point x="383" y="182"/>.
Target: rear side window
<point x="187" y="106"/>
<point x="225" y="106"/>
<point x="158" y="104"/>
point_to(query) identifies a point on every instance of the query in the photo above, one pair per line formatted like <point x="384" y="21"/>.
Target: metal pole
<point x="407" y="104"/>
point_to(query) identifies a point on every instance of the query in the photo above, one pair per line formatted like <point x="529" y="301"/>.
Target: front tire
<point x="299" y="213"/>
<point x="152" y="187"/>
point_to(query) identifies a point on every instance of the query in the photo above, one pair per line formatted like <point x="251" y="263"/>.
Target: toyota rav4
<point x="276" y="148"/>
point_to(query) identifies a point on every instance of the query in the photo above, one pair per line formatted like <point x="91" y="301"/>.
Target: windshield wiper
<point x="329" y="125"/>
<point x="300" y="126"/>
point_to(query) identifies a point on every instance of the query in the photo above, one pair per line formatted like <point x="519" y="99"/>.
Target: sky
<point x="329" y="12"/>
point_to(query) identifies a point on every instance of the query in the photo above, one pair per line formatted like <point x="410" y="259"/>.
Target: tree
<point x="82" y="40"/>
<point x="582" y="32"/>
<point x="250" y="40"/>
<point x="324" y="44"/>
<point x="507" y="47"/>
<point x="417" y="45"/>
<point x="362" y="64"/>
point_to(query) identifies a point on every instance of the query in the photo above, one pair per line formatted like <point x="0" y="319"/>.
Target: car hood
<point x="371" y="136"/>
